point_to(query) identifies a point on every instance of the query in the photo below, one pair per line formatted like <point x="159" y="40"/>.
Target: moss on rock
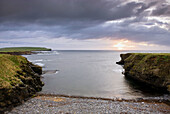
<point x="19" y="79"/>
<point x="150" y="68"/>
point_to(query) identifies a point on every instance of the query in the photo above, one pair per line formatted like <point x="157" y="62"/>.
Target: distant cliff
<point x="19" y="79"/>
<point x="22" y="50"/>
<point x="150" y="68"/>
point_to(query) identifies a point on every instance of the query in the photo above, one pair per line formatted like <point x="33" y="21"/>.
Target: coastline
<point x="67" y="104"/>
<point x="22" y="50"/>
<point x="72" y="104"/>
<point x="151" y="69"/>
<point x="19" y="53"/>
<point x="165" y="100"/>
<point x="19" y="78"/>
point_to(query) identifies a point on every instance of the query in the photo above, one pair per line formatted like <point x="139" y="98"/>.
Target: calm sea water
<point x="87" y="73"/>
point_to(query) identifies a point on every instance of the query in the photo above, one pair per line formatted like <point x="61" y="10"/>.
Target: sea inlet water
<point x="87" y="73"/>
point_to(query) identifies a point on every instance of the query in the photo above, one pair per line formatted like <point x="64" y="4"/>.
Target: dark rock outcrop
<point x="18" y="53"/>
<point x="19" y="82"/>
<point x="151" y="69"/>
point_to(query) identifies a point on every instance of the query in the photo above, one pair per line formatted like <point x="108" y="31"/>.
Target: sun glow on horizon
<point x="119" y="46"/>
<point x="123" y="44"/>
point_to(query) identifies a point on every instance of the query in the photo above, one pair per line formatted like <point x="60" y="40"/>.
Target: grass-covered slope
<point x="150" y="68"/>
<point x="21" y="50"/>
<point x="19" y="79"/>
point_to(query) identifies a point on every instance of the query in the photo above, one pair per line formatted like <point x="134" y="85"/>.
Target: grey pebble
<point x="41" y="105"/>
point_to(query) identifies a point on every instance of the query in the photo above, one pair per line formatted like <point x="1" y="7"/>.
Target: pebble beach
<point x="53" y="104"/>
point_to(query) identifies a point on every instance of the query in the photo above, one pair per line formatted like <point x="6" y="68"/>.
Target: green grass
<point x="9" y="65"/>
<point x="158" y="57"/>
<point x="168" y="54"/>
<point x="152" y="68"/>
<point x="23" y="49"/>
<point x="18" y="79"/>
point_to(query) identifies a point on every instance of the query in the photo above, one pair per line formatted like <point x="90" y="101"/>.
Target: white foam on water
<point x="56" y="72"/>
<point x="40" y="64"/>
<point x="118" y="70"/>
<point x="48" y="53"/>
<point x="38" y="60"/>
<point x="47" y="60"/>
<point x="55" y="52"/>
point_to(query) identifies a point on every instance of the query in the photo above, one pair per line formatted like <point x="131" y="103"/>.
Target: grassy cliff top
<point x="9" y="65"/>
<point x="151" y="54"/>
<point x="19" y="79"/>
<point x="23" y="49"/>
<point x="150" y="68"/>
<point x="157" y="57"/>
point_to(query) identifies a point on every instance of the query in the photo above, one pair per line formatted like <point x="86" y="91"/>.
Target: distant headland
<point x="22" y="50"/>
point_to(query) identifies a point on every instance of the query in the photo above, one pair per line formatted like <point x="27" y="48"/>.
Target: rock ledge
<point x="150" y="68"/>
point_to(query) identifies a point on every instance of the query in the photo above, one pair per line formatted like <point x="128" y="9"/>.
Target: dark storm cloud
<point x="72" y="14"/>
<point x="58" y="11"/>
<point x="84" y="19"/>
<point x="51" y="10"/>
<point x="165" y="10"/>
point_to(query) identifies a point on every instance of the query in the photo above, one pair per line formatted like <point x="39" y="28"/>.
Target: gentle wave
<point x="50" y="71"/>
<point x="56" y="72"/>
<point x="37" y="60"/>
<point x="161" y="99"/>
<point x="118" y="70"/>
<point x="40" y="64"/>
<point x="48" y="53"/>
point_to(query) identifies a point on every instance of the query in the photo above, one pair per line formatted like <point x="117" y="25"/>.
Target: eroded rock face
<point x="28" y="77"/>
<point x="18" y="53"/>
<point x="152" y="69"/>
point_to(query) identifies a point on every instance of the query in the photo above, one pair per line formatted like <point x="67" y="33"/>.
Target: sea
<point x="89" y="73"/>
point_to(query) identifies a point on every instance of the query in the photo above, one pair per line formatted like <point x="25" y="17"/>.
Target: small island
<point x="152" y="69"/>
<point x="19" y="78"/>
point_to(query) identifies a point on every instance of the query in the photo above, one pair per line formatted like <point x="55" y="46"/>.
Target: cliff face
<point x="19" y="79"/>
<point x="18" y="53"/>
<point x="152" y="69"/>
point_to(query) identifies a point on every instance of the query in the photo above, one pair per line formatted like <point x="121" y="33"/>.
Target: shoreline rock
<point x="19" y="53"/>
<point x="23" y="81"/>
<point x="151" y="69"/>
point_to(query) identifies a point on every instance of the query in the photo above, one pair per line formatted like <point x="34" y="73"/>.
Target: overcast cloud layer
<point x="135" y="20"/>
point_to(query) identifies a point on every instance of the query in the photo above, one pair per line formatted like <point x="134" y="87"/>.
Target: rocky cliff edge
<point x="151" y="68"/>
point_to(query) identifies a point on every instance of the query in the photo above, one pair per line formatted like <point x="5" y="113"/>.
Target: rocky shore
<point x="76" y="105"/>
<point x="19" y="80"/>
<point x="148" y="68"/>
<point x="19" y="53"/>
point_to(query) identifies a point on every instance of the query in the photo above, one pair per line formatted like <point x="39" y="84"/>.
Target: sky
<point x="86" y="24"/>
